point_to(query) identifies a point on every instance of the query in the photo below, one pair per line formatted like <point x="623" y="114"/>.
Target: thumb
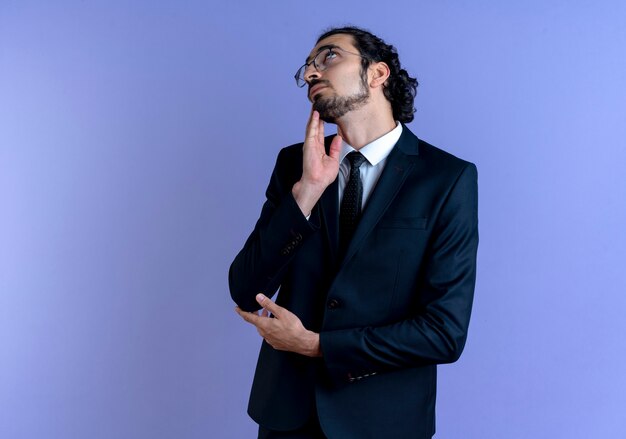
<point x="267" y="303"/>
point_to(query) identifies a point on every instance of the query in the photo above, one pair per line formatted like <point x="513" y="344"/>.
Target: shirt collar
<point x="377" y="150"/>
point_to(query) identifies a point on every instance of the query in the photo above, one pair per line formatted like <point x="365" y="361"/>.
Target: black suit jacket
<point x="397" y="305"/>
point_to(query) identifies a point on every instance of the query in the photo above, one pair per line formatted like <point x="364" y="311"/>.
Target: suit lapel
<point x="329" y="213"/>
<point x="400" y="162"/>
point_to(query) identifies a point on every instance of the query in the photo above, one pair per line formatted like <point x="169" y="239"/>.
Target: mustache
<point x="314" y="82"/>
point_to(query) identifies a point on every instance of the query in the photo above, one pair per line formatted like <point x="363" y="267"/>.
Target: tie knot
<point x="356" y="159"/>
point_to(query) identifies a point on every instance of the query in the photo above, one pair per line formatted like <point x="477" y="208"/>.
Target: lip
<point x="315" y="89"/>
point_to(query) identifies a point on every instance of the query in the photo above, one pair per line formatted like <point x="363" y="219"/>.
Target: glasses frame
<point x="299" y="76"/>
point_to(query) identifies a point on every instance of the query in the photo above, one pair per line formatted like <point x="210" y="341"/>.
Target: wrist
<point x="313" y="345"/>
<point x="306" y="196"/>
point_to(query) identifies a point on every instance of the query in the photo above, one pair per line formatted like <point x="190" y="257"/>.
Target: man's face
<point x="340" y="88"/>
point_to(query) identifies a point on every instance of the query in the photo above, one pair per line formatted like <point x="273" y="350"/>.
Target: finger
<point x="265" y="313"/>
<point x="269" y="305"/>
<point x="335" y="147"/>
<point x="312" y="126"/>
<point x="308" y="124"/>
<point x="320" y="130"/>
<point x="249" y="317"/>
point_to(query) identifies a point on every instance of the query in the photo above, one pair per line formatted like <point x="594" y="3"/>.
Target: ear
<point x="379" y="74"/>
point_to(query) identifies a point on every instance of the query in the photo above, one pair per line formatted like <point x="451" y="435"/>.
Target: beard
<point x="333" y="107"/>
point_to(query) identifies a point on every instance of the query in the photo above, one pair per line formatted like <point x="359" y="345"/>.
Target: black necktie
<point x="350" y="211"/>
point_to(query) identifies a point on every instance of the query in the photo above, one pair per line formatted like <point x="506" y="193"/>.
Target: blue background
<point x="136" y="142"/>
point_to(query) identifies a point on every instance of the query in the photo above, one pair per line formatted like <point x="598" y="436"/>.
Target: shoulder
<point x="289" y="163"/>
<point x="434" y="163"/>
<point x="291" y="150"/>
<point x="289" y="154"/>
<point x="442" y="159"/>
<point x="431" y="157"/>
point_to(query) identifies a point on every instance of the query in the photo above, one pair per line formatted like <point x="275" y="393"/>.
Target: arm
<point x="280" y="229"/>
<point x="283" y="226"/>
<point x="438" y="332"/>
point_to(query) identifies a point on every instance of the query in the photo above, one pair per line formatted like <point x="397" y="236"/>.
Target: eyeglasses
<point x="325" y="58"/>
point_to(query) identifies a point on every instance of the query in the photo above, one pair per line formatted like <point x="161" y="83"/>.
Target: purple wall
<point x="135" y="146"/>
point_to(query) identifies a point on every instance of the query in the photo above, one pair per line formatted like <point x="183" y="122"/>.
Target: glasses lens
<point x="324" y="59"/>
<point x="320" y="63"/>
<point x="321" y="59"/>
<point x="300" y="76"/>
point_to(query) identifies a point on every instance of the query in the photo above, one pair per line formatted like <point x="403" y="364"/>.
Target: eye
<point x="330" y="56"/>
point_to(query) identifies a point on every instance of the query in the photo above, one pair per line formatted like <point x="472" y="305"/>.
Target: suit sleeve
<point x="279" y="231"/>
<point x="437" y="333"/>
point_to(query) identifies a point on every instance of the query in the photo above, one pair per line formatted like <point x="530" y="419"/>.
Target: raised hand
<point x="319" y="169"/>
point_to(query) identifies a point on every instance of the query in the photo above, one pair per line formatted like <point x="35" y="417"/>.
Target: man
<point x="371" y="237"/>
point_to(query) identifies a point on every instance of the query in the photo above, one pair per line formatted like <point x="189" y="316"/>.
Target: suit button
<point x="333" y="304"/>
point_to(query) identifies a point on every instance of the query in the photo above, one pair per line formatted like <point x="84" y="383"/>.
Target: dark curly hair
<point x="400" y="88"/>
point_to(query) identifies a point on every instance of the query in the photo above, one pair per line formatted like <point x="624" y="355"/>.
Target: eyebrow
<point x="327" y="46"/>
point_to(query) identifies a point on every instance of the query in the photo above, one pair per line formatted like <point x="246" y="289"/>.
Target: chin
<point x="328" y="119"/>
<point x="332" y="108"/>
<point x="325" y="114"/>
<point x="324" y="106"/>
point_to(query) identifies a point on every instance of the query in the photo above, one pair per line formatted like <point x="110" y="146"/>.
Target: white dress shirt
<point x="375" y="154"/>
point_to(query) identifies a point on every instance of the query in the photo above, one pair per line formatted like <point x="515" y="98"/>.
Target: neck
<point x="360" y="128"/>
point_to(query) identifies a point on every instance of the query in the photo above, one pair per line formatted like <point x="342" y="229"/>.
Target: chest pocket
<point x="403" y="223"/>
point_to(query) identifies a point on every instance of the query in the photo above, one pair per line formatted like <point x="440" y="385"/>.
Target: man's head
<point x="347" y="65"/>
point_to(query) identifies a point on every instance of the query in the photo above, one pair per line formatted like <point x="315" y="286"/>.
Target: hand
<point x="285" y="331"/>
<point x="319" y="169"/>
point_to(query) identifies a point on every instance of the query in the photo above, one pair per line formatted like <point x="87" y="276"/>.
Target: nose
<point x="311" y="73"/>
